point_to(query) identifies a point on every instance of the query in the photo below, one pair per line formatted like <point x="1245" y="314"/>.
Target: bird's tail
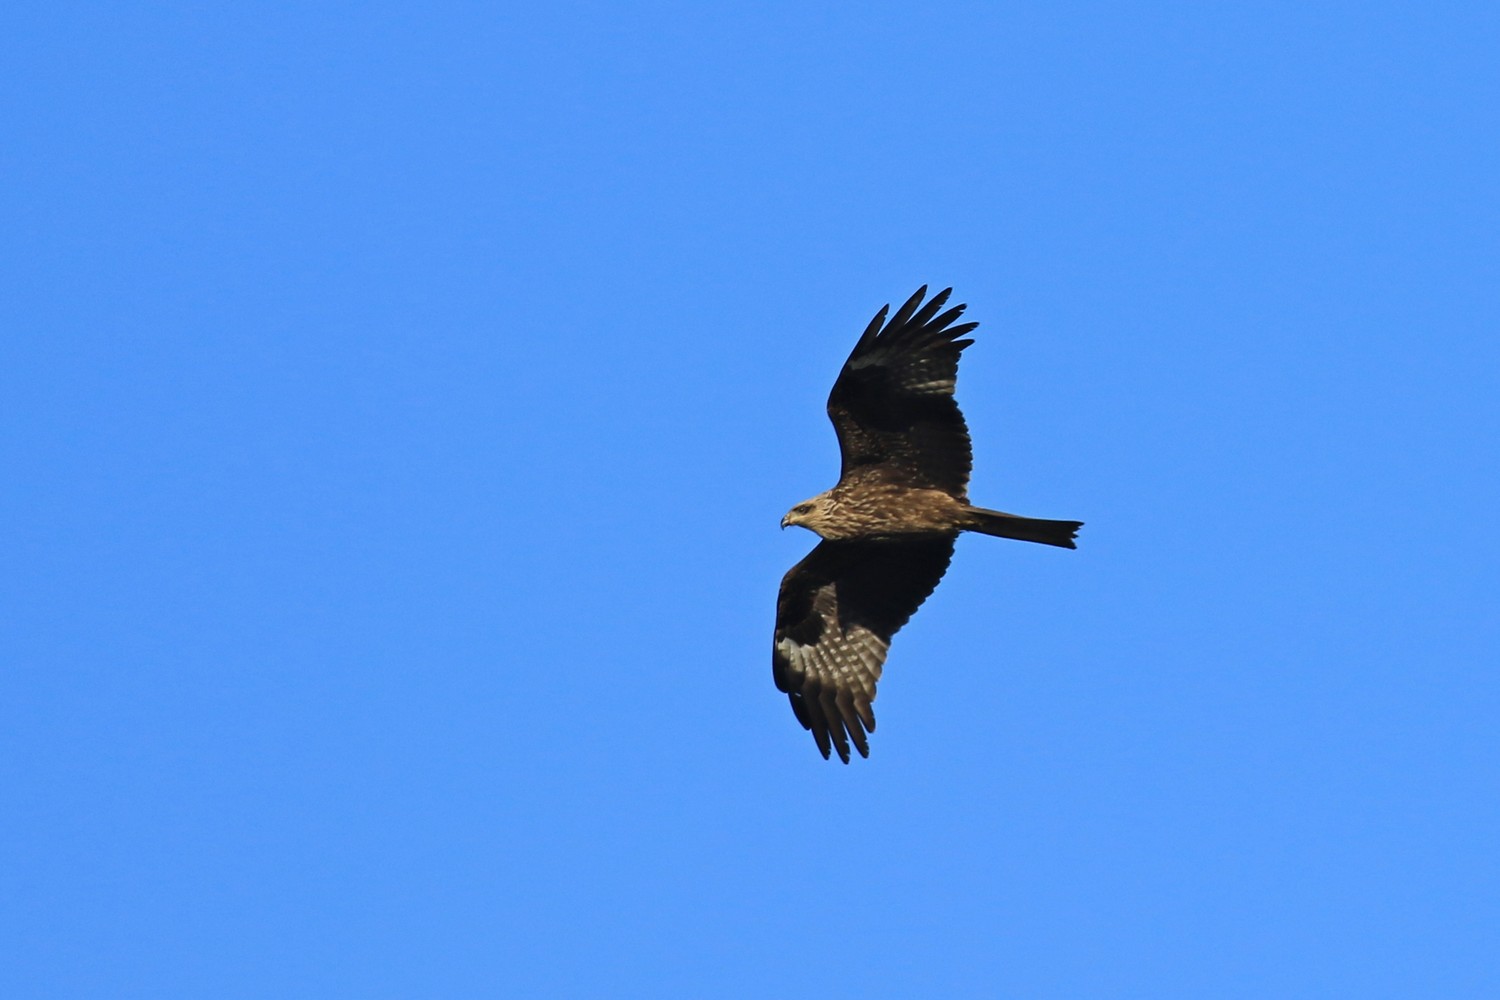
<point x="1026" y="529"/>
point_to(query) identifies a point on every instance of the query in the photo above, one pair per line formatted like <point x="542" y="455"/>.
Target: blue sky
<point x="400" y="402"/>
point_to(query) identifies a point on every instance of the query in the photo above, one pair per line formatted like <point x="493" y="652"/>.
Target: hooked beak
<point x="786" y="521"/>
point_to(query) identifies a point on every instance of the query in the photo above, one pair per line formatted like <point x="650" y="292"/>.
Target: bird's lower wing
<point x="835" y="616"/>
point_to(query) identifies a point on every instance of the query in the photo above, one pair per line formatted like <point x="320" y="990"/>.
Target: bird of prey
<point x="889" y="525"/>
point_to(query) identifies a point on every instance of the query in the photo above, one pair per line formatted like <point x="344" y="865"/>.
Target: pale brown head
<point x="815" y="514"/>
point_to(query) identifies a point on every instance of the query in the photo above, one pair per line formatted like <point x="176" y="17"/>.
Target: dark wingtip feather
<point x="799" y="709"/>
<point x="850" y="716"/>
<point x="903" y="315"/>
<point x="814" y="716"/>
<point x="923" y="315"/>
<point x="832" y="723"/>
<point x="949" y="316"/>
<point x="820" y="735"/>
<point x="873" y="330"/>
<point x="828" y="702"/>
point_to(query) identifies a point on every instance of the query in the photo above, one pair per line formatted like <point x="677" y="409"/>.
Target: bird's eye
<point x="804" y="508"/>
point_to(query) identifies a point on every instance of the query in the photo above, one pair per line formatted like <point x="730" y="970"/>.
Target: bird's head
<point x="811" y="514"/>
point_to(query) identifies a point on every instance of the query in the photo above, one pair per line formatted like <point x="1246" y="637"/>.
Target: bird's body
<point x="850" y="511"/>
<point x="889" y="526"/>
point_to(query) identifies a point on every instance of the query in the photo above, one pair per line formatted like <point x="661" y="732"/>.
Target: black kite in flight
<point x="889" y="525"/>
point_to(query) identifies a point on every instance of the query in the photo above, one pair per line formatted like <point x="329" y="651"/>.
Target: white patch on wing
<point x="851" y="660"/>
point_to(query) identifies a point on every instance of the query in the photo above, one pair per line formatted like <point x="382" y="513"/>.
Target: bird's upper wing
<point x="835" y="616"/>
<point x="893" y="406"/>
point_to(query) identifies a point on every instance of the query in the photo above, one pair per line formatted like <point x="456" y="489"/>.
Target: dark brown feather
<point x="892" y="405"/>
<point x="835" y="616"/>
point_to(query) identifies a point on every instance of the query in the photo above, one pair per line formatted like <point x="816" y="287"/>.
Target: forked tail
<point x="1025" y="529"/>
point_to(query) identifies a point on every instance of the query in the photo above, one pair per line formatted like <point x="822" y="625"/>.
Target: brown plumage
<point x="889" y="525"/>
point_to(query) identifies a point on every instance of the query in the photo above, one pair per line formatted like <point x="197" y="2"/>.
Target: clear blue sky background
<point x="399" y="402"/>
